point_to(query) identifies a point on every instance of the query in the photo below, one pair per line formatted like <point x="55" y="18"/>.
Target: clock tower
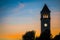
<point x="45" y="19"/>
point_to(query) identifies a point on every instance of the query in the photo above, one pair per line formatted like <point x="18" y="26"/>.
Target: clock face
<point x="45" y="16"/>
<point x="45" y="25"/>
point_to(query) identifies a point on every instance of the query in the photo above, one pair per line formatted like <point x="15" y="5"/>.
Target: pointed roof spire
<point x="45" y="9"/>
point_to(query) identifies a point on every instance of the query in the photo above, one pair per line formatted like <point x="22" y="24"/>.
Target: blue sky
<point x="6" y="5"/>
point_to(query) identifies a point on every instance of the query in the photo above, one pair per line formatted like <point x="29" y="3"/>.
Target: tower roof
<point x="45" y="9"/>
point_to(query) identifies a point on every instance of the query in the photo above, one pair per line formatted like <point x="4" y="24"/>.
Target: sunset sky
<point x="19" y="16"/>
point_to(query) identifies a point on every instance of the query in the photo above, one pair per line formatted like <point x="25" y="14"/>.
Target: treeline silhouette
<point x="44" y="36"/>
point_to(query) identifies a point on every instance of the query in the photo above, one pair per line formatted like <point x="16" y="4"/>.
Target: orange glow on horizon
<point x="19" y="35"/>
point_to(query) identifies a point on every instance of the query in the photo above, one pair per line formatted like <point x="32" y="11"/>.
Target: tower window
<point x="45" y="24"/>
<point x="45" y="16"/>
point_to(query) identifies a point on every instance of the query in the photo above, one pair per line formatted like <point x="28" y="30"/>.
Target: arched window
<point x="45" y="16"/>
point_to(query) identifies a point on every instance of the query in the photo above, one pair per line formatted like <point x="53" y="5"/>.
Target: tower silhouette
<point x="45" y="19"/>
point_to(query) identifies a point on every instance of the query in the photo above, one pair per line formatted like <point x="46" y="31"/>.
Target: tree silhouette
<point x="44" y="36"/>
<point x="57" y="37"/>
<point x="29" y="35"/>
